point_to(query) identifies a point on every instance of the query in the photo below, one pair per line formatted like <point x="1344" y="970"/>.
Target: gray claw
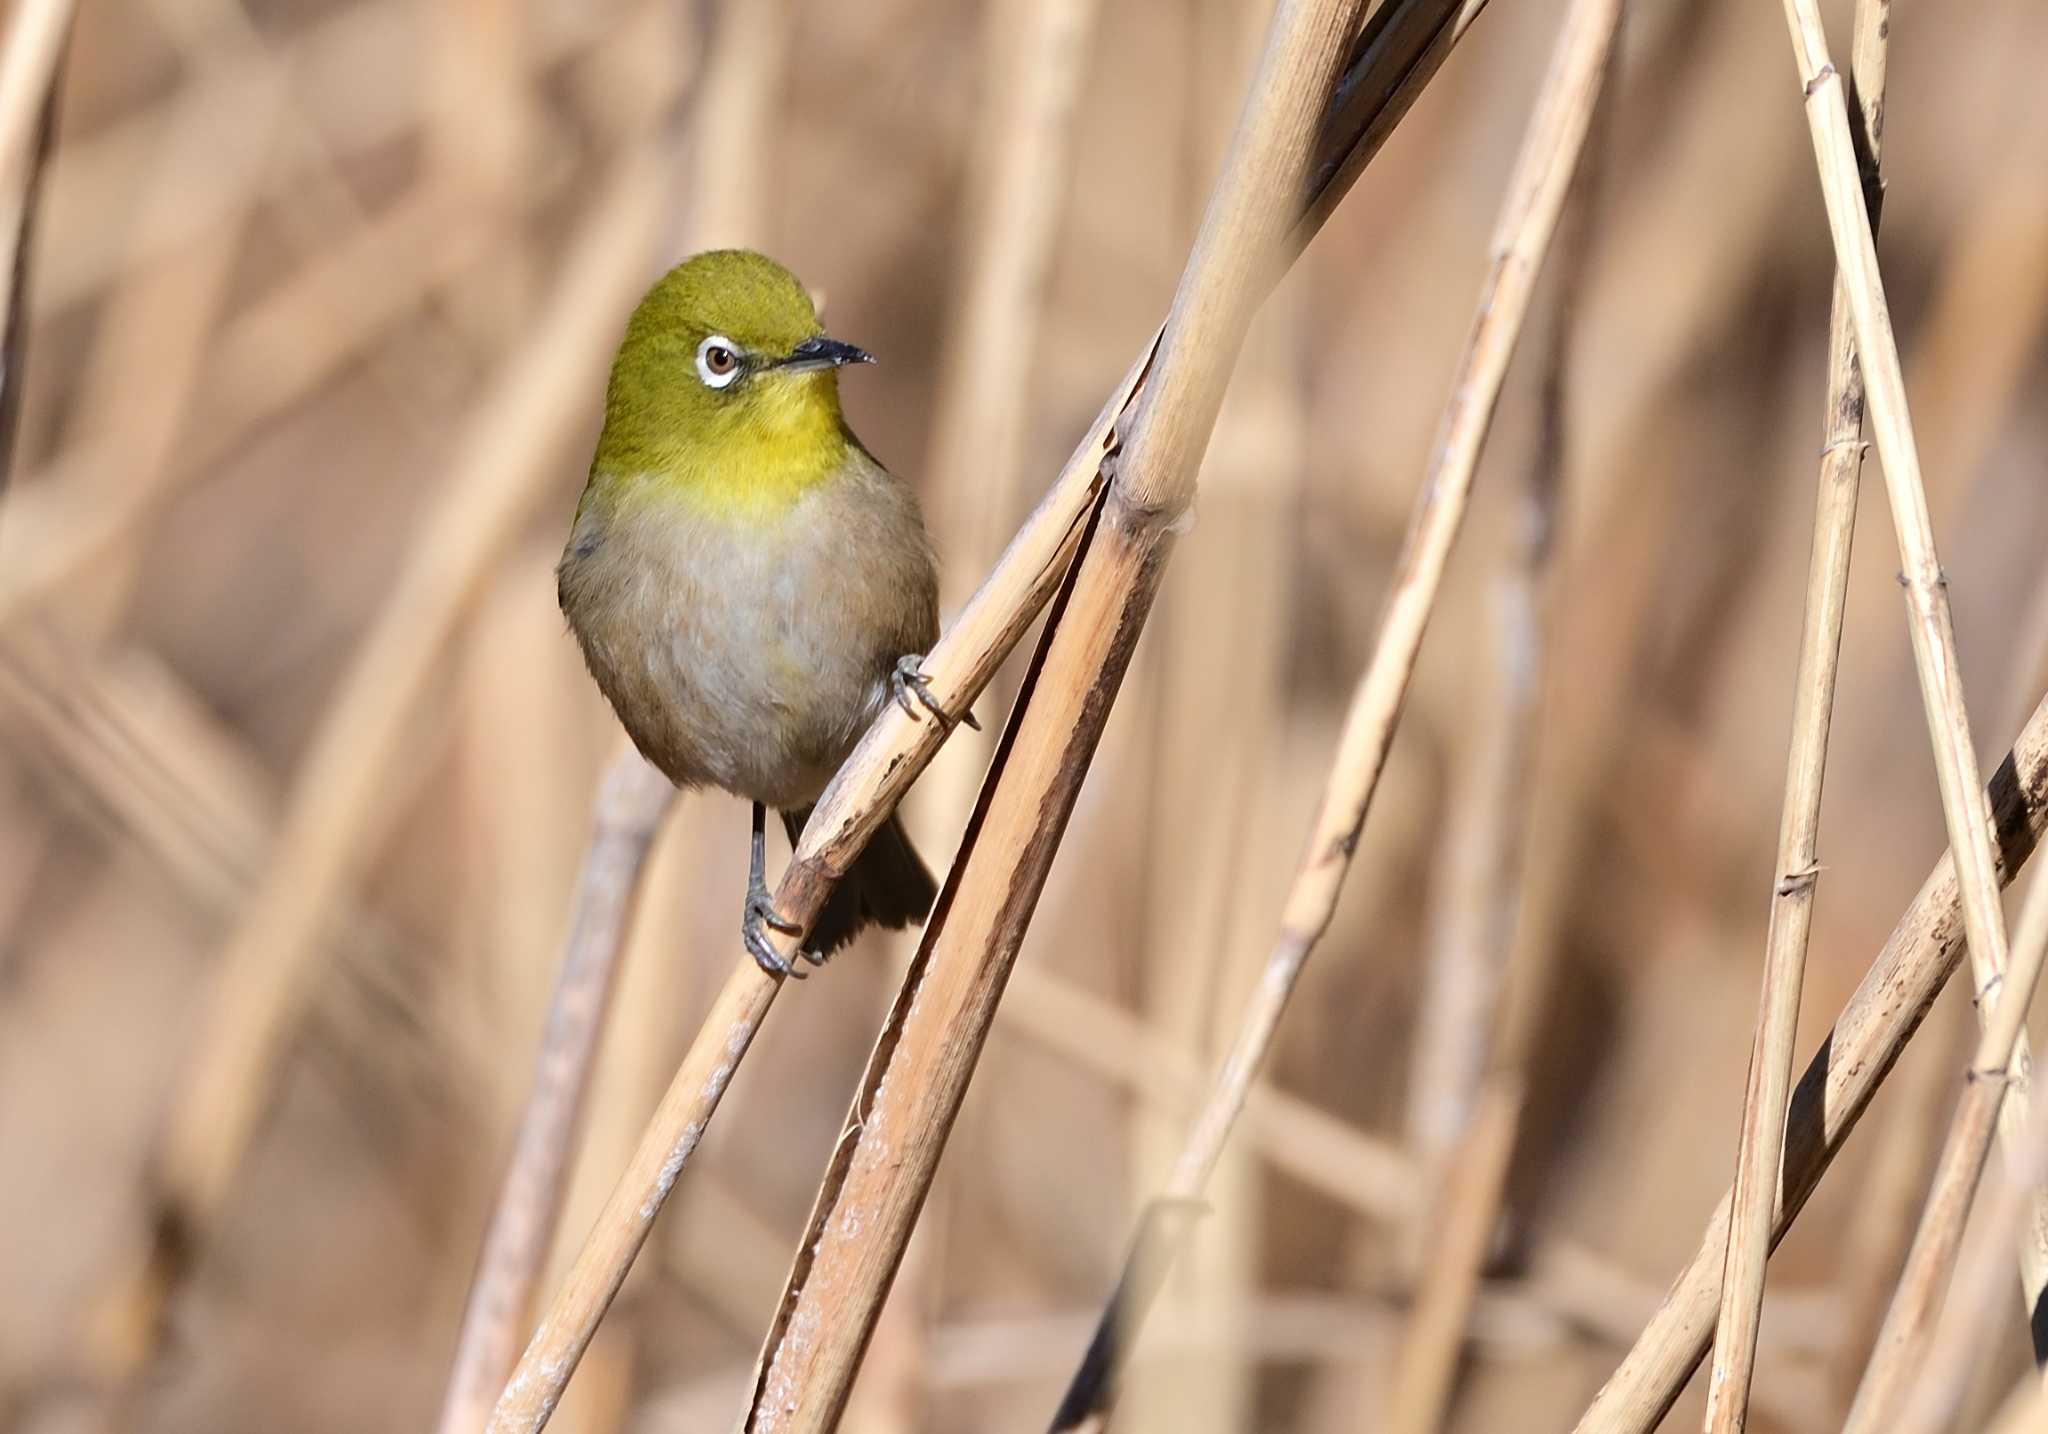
<point x="907" y="683"/>
<point x="761" y="948"/>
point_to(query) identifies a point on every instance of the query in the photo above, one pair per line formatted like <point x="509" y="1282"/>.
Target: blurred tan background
<point x="321" y="299"/>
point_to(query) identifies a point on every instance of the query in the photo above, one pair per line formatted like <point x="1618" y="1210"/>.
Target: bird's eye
<point x="718" y="361"/>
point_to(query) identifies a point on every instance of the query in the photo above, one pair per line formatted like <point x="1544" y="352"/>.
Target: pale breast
<point x="751" y="654"/>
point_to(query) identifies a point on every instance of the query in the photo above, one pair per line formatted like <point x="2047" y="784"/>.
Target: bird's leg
<point x="906" y="682"/>
<point x="759" y="911"/>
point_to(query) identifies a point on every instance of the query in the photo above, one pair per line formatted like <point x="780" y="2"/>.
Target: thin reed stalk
<point x="1529" y="215"/>
<point x="1896" y="1364"/>
<point x="1502" y="984"/>
<point x="632" y="800"/>
<point x="1926" y="586"/>
<point x="1969" y="1328"/>
<point x="1880" y="1017"/>
<point x="1761" y="1146"/>
<point x="1394" y="57"/>
<point x="911" y="1095"/>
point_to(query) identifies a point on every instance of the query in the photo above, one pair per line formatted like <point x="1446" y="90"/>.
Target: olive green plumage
<point x="743" y="576"/>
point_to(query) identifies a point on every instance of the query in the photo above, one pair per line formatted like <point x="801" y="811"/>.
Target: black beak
<point x="821" y="352"/>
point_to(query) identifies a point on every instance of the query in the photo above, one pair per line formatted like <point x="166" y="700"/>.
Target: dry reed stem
<point x="1897" y="1362"/>
<point x="341" y="798"/>
<point x="1969" y="1330"/>
<point x="632" y="800"/>
<point x="1394" y="57"/>
<point x="1761" y="1145"/>
<point x="1496" y="984"/>
<point x="1929" y="620"/>
<point x="878" y="1180"/>
<point x="1529" y="216"/>
<point x="1879" y="1018"/>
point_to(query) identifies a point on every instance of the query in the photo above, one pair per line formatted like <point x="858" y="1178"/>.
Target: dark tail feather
<point x="888" y="886"/>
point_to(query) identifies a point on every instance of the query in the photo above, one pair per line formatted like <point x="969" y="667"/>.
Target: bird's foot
<point x="907" y="683"/>
<point x="759" y="918"/>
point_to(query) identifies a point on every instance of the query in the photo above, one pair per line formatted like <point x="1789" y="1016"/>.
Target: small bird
<point x="749" y="584"/>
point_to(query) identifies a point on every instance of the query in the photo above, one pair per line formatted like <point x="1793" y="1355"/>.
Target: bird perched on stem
<point x="748" y="583"/>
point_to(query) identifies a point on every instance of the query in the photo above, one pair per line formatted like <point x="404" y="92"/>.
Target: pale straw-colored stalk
<point x="1926" y="586"/>
<point x="1969" y="1324"/>
<point x="1761" y="1146"/>
<point x="1897" y="1363"/>
<point x="1874" y="1026"/>
<point x="1491" y="985"/>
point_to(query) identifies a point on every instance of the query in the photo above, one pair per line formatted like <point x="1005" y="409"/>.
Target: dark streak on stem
<point x="14" y="334"/>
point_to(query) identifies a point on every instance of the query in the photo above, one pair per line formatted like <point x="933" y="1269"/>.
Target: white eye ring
<point x="718" y="361"/>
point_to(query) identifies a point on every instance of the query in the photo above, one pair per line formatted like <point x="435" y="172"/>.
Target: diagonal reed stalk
<point x="1761" y="1146"/>
<point x="1496" y="1019"/>
<point x="632" y="799"/>
<point x="877" y="1182"/>
<point x="1897" y="1363"/>
<point x="1874" y="1026"/>
<point x="1971" y="1324"/>
<point x="1395" y="55"/>
<point x="1535" y="197"/>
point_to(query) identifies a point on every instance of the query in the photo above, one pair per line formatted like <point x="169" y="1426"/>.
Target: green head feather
<point x="725" y="386"/>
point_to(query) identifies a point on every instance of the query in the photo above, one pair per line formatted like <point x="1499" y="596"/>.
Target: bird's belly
<point x="734" y="659"/>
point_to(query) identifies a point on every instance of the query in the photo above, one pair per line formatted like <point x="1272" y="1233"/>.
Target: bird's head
<point x="727" y="383"/>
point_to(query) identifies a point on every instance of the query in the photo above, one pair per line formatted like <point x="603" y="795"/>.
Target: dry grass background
<point x="320" y="299"/>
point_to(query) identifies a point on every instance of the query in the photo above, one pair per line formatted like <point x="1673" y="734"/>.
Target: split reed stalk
<point x="1761" y="1145"/>
<point x="877" y="1182"/>
<point x="1880" y="1017"/>
<point x="1929" y="620"/>
<point x="266" y="976"/>
<point x="1394" y="57"/>
<point x="1497" y="984"/>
